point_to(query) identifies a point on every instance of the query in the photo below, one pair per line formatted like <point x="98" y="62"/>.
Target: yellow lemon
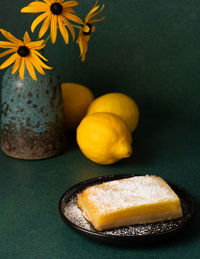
<point x="104" y="138"/>
<point x="119" y="104"/>
<point x="76" y="100"/>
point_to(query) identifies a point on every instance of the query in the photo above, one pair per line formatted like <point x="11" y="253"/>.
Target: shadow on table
<point x="71" y="141"/>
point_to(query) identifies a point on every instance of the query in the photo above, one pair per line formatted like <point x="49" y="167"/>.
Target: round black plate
<point x="134" y="234"/>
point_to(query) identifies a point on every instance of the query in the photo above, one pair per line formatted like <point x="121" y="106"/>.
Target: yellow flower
<point x="25" y="54"/>
<point x="54" y="13"/>
<point x="87" y="29"/>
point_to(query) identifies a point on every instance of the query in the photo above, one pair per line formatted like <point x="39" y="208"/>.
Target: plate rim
<point x="100" y="235"/>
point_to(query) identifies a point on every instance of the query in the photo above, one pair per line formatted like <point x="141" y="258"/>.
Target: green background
<point x="149" y="50"/>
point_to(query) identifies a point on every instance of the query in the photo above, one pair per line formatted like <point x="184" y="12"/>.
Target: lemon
<point x="104" y="138"/>
<point x="119" y="104"/>
<point x="76" y="100"/>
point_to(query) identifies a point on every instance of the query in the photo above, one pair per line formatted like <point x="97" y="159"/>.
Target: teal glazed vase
<point x="32" y="118"/>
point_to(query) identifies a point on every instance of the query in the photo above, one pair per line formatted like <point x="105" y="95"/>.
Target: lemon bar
<point x="134" y="200"/>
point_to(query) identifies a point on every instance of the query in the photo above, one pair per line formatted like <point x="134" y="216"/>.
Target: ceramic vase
<point x="32" y="119"/>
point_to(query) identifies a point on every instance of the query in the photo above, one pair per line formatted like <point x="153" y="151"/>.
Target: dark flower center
<point x="89" y="29"/>
<point x="56" y="8"/>
<point x="23" y="51"/>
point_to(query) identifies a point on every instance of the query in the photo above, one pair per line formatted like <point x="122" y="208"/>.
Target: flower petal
<point x="69" y="26"/>
<point x="42" y="64"/>
<point x="83" y="44"/>
<point x="7" y="45"/>
<point x="39" y="54"/>
<point x="45" y="26"/>
<point x="9" y="61"/>
<point x="69" y="10"/>
<point x="16" y="65"/>
<point x="35" y="7"/>
<point x="96" y="7"/>
<point x="39" y="4"/>
<point x="97" y="20"/>
<point x="27" y="39"/>
<point x="38" y="20"/>
<point x="41" y="47"/>
<point x="29" y="9"/>
<point x="35" y="44"/>
<point x="79" y="41"/>
<point x="54" y="22"/>
<point x="85" y="48"/>
<point x="48" y="1"/>
<point x="72" y="17"/>
<point x="11" y="38"/>
<point x="21" y="69"/>
<point x="36" y="65"/>
<point x="7" y="52"/>
<point x="70" y="4"/>
<point x="30" y="68"/>
<point x="63" y="30"/>
<point x="89" y="17"/>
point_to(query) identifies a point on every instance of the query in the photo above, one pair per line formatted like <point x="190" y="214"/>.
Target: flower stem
<point x="77" y="26"/>
<point x="45" y="41"/>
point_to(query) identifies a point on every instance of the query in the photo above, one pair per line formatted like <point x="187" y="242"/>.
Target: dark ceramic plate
<point x="134" y="234"/>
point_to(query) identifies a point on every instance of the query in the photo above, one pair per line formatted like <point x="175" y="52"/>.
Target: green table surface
<point x="149" y="50"/>
<point x="31" y="226"/>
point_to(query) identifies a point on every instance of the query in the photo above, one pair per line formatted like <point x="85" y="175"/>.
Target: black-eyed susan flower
<point x="24" y="54"/>
<point x="54" y="13"/>
<point x="88" y="28"/>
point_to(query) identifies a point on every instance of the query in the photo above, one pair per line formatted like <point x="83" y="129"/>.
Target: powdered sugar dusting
<point x="74" y="214"/>
<point x="126" y="193"/>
